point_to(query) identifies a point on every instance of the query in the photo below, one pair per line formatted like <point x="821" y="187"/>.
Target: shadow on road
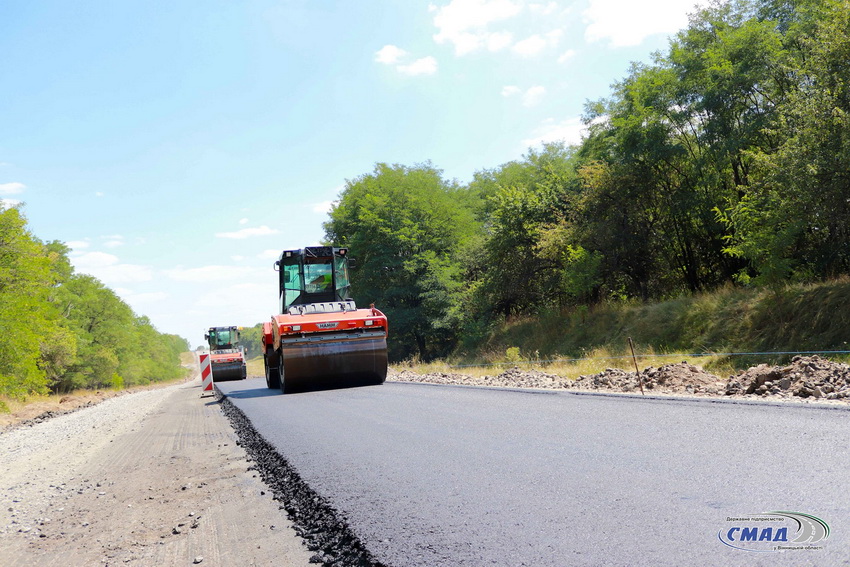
<point x="252" y="393"/>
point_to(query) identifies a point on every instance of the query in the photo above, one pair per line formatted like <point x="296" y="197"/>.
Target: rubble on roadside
<point x="805" y="377"/>
<point x="679" y="378"/>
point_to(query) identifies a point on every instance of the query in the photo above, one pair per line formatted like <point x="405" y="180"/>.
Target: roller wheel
<point x="271" y="362"/>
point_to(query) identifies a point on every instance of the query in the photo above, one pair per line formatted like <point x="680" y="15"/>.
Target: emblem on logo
<point x="774" y="531"/>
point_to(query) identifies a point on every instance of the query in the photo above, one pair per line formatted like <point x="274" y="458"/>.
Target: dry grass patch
<point x="594" y="362"/>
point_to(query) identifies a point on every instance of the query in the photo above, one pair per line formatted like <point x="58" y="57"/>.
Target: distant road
<point x="445" y="475"/>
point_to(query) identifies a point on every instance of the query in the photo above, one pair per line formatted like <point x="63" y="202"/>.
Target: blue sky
<point x="179" y="146"/>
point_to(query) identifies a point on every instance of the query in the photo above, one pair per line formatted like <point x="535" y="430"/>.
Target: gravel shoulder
<point x="149" y="478"/>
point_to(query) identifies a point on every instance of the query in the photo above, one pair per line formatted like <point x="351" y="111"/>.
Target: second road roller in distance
<point x="227" y="356"/>
<point x="321" y="340"/>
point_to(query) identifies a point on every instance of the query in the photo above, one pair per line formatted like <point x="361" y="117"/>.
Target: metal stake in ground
<point x="634" y="359"/>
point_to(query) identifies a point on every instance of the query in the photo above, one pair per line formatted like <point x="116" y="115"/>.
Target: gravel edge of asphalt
<point x="325" y="531"/>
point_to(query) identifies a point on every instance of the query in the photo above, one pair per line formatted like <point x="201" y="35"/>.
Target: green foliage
<point x="725" y="160"/>
<point x="406" y="228"/>
<point x="250" y="339"/>
<point x="60" y="331"/>
<point x="795" y="222"/>
<point x="525" y="199"/>
<point x="512" y="355"/>
<point x="25" y="313"/>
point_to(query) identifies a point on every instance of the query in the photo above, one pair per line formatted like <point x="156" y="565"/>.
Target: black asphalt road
<point x="444" y="476"/>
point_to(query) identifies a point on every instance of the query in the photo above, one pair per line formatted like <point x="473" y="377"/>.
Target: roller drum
<point x="322" y="365"/>
<point x="227" y="371"/>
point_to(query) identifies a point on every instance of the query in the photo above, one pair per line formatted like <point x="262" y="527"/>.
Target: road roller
<point x="321" y="340"/>
<point x="227" y="356"/>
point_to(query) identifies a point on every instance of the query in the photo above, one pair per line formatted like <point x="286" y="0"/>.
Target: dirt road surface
<point x="149" y="478"/>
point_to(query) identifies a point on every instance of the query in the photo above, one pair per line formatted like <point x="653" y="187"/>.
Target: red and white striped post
<point x="206" y="374"/>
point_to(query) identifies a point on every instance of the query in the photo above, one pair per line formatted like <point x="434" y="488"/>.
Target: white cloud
<point x="390" y="55"/>
<point x="108" y="269"/>
<point x="533" y="96"/>
<point x="464" y="23"/>
<point x="568" y="131"/>
<point x="206" y="273"/>
<point x="567" y="55"/>
<point x="423" y="66"/>
<point x="13" y="188"/>
<point x="98" y="194"/>
<point x="530" y="97"/>
<point x="499" y="40"/>
<point x="146" y="298"/>
<point x="235" y="294"/>
<point x="544" y="9"/>
<point x="89" y="260"/>
<point x="237" y="258"/>
<point x="248" y="232"/>
<point x="536" y="44"/>
<point x="530" y="46"/>
<point x="113" y="240"/>
<point x="269" y="254"/>
<point x="625" y="22"/>
<point x="78" y="244"/>
<point x="323" y="207"/>
<point x="9" y="203"/>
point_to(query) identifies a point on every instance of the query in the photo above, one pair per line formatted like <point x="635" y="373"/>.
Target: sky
<point x="177" y="147"/>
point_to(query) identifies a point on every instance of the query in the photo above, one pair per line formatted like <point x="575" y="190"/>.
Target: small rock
<point x="198" y="559"/>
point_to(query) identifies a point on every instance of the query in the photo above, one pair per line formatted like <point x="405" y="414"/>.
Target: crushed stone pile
<point x="430" y="378"/>
<point x="806" y="377"/>
<point x="810" y="377"/>
<point x="518" y="378"/>
<point x="679" y="378"/>
<point x="512" y="378"/>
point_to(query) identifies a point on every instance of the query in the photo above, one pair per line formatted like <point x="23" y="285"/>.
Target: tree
<point x="404" y="226"/>
<point x="795" y="221"/>
<point x="523" y="199"/>
<point x="26" y="317"/>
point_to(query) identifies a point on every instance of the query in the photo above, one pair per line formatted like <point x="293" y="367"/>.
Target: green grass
<point x="255" y="366"/>
<point x="814" y="317"/>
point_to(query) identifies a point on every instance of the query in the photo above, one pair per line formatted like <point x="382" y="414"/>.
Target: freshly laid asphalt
<point x="431" y="476"/>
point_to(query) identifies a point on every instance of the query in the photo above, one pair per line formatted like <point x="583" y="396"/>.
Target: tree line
<point x="724" y="160"/>
<point x="61" y="331"/>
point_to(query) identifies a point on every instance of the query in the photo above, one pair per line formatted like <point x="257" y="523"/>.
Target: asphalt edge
<point x="802" y="403"/>
<point x="324" y="530"/>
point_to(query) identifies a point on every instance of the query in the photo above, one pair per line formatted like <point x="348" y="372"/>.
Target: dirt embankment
<point x="806" y="377"/>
